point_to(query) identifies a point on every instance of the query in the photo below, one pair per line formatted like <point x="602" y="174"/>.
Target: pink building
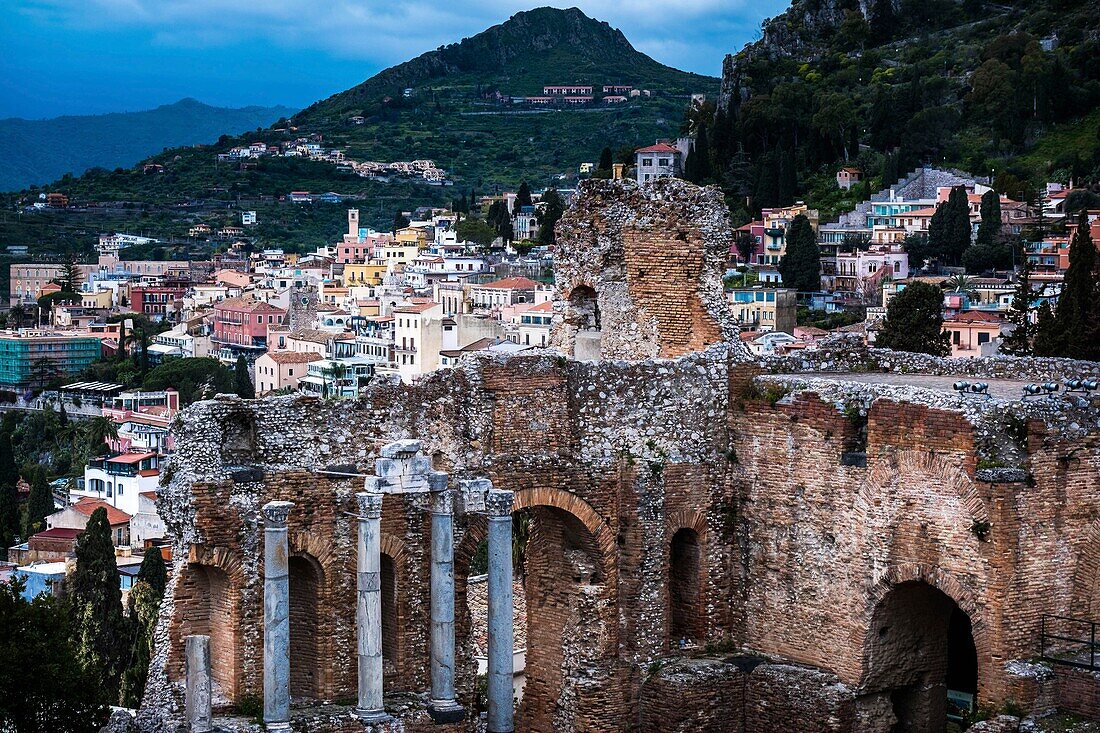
<point x="360" y="245"/>
<point x="243" y="323"/>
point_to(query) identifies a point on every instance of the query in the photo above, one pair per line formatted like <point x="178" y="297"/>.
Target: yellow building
<point x="412" y="235"/>
<point x="371" y="273"/>
<point x="776" y="222"/>
<point x="400" y="253"/>
<point x="99" y="299"/>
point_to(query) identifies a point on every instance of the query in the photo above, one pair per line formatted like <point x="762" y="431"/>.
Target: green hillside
<point x="453" y="115"/>
<point x="40" y="151"/>
<point x="1006" y="89"/>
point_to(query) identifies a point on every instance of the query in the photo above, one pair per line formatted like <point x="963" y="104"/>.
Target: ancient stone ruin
<point x="714" y="544"/>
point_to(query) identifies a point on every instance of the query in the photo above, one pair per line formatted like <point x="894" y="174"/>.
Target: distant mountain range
<point x="39" y="151"/>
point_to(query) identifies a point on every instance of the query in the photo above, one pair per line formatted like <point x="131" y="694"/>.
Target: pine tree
<point x="40" y="504"/>
<point x="523" y="195"/>
<point x="9" y="496"/>
<point x="69" y="278"/>
<point x="990" y="227"/>
<point x="1075" y="329"/>
<point x="801" y="264"/>
<point x="1018" y="342"/>
<point x="99" y="628"/>
<point x="242" y="382"/>
<point x="605" y="160"/>
<point x="914" y="321"/>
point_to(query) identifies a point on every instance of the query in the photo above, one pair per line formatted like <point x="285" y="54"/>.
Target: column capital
<point x="370" y="504"/>
<point x="438" y="480"/>
<point x="276" y="513"/>
<point x="443" y="502"/>
<point x="498" y="503"/>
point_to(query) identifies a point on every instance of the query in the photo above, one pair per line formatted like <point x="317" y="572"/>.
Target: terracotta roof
<point x="479" y="345"/>
<point x="57" y="533"/>
<point x="130" y="458"/>
<point x="115" y="515"/>
<point x="312" y="335"/>
<point x="510" y="283"/>
<point x="544" y="307"/>
<point x="293" y="357"/>
<point x="415" y="308"/>
<point x="247" y="302"/>
<point x="658" y="148"/>
<point x="974" y="317"/>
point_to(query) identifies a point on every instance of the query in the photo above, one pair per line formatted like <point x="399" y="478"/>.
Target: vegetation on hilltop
<point x="981" y="86"/>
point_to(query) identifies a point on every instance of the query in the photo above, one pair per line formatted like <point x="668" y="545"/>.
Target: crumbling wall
<point x="639" y="269"/>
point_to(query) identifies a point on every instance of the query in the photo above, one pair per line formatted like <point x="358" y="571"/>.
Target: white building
<point x="120" y="480"/>
<point x="417" y="338"/>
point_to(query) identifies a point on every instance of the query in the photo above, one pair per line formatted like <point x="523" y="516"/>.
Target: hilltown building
<point x="838" y="536"/>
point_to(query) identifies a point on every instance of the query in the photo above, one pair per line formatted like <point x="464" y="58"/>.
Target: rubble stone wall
<point x="797" y="546"/>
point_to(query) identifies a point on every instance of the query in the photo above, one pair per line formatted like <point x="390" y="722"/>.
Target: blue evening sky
<point x="93" y="56"/>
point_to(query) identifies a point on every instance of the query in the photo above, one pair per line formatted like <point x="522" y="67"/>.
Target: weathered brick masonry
<point x="821" y="561"/>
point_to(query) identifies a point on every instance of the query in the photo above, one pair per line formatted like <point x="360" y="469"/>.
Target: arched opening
<point x="389" y="613"/>
<point x="684" y="588"/>
<point x="206" y="601"/>
<point x="306" y="659"/>
<point x="921" y="661"/>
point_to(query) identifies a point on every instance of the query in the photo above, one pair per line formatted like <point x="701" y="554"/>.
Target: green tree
<point x="143" y="607"/>
<point x="9" y="496"/>
<point x="70" y="277"/>
<point x="605" y="160"/>
<point x="949" y="228"/>
<point x="801" y="265"/>
<point x="548" y="215"/>
<point x="153" y="570"/>
<point x="196" y="378"/>
<point x="40" y="504"/>
<point x="1018" y="341"/>
<point x="914" y="321"/>
<point x="523" y="195"/>
<point x="400" y="221"/>
<point x="500" y="220"/>
<point x="242" y="382"/>
<point x="990" y="227"/>
<point x="98" y="432"/>
<point x="476" y="231"/>
<point x="45" y="689"/>
<point x="1075" y="330"/>
<point x="883" y="21"/>
<point x="99" y="628"/>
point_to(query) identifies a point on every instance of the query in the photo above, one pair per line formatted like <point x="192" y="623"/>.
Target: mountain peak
<point x="519" y="56"/>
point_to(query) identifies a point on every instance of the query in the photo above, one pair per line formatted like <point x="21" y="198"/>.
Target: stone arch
<point x="574" y="505"/>
<point x="921" y="651"/>
<point x="309" y="653"/>
<point x="1086" y="576"/>
<point x="927" y="465"/>
<point x="207" y="601"/>
<point x="394" y="556"/>
<point x="686" y="570"/>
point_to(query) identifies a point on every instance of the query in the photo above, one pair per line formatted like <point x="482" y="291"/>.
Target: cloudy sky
<point x="92" y="56"/>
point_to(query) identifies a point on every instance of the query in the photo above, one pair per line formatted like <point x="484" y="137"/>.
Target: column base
<point x="372" y="716"/>
<point x="282" y="725"/>
<point x="446" y="711"/>
<point x="494" y="730"/>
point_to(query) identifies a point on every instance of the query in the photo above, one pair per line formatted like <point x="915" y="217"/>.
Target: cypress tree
<point x="801" y="264"/>
<point x="691" y="166"/>
<point x="523" y="195"/>
<point x="242" y="382"/>
<point x="605" y="160"/>
<point x="720" y="145"/>
<point x="1073" y="331"/>
<point x="95" y="600"/>
<point x="1018" y="342"/>
<point x="40" y="504"/>
<point x="701" y="151"/>
<point x="9" y="496"/>
<point x="914" y="321"/>
<point x="949" y="229"/>
<point x="990" y="227"/>
<point x="153" y="570"/>
<point x="62" y="416"/>
<point x="883" y="21"/>
<point x="787" y="185"/>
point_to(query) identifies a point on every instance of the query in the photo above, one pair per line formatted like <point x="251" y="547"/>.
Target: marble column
<point x="368" y="610"/>
<point x="442" y="707"/>
<point x="200" y="719"/>
<point x="276" y="616"/>
<point x="498" y="505"/>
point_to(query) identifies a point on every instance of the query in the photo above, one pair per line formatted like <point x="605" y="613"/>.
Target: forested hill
<point x="1008" y="89"/>
<point x="40" y="151"/>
